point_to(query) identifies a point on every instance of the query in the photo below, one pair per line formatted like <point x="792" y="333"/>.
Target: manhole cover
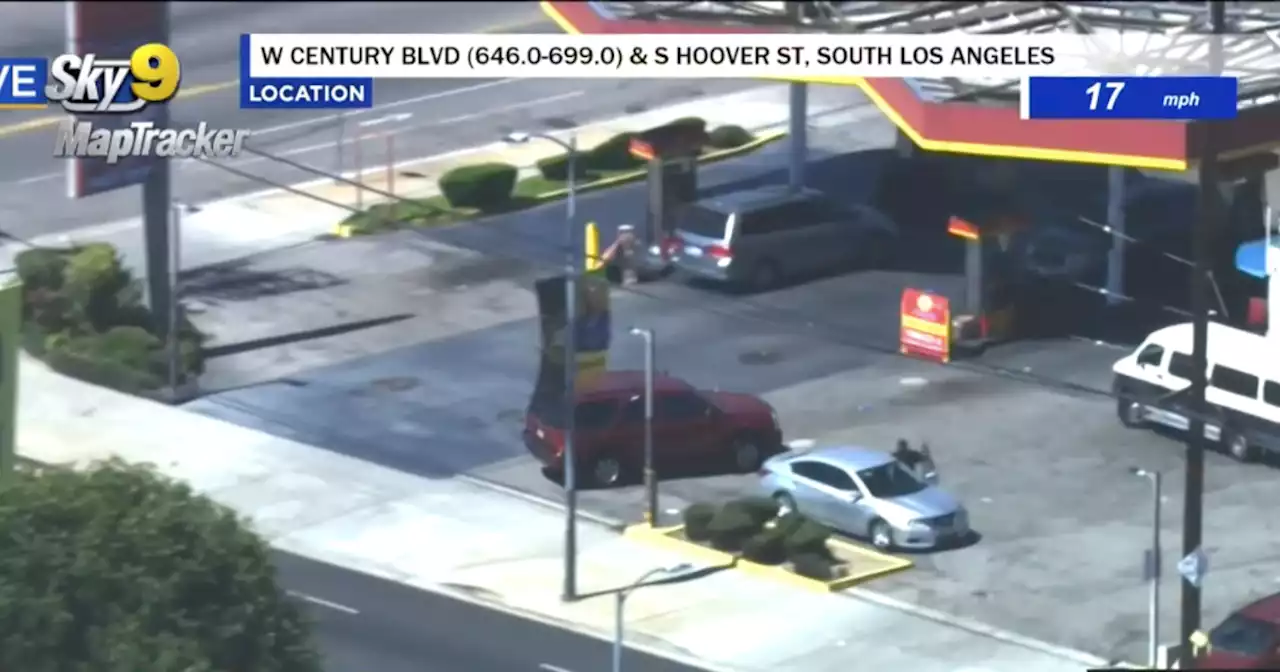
<point x="394" y="384"/>
<point x="756" y="357"/>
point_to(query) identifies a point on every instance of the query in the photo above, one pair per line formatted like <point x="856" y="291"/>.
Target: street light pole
<point x="620" y="600"/>
<point x="1154" y="567"/>
<point x="571" y="270"/>
<point x="650" y="473"/>
<point x="573" y="266"/>
<point x="174" y="346"/>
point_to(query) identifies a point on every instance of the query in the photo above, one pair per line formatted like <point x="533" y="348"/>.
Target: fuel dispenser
<point x="987" y="312"/>
<point x="671" y="154"/>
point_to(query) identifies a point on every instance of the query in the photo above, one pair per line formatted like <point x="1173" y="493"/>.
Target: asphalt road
<point x="427" y="117"/>
<point x="364" y="623"/>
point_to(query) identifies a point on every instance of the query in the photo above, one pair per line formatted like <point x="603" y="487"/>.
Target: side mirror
<point x="932" y="478"/>
<point x="850" y="495"/>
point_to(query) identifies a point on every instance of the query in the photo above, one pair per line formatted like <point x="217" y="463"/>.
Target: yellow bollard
<point x="592" y="238"/>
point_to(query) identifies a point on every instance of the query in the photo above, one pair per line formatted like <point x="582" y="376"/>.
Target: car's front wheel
<point x="746" y="454"/>
<point x="604" y="472"/>
<point x="882" y="535"/>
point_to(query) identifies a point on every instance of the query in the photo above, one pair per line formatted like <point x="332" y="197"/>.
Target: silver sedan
<point x="865" y="493"/>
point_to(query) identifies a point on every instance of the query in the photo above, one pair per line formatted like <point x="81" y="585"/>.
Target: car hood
<point x="737" y="404"/>
<point x="1225" y="660"/>
<point x="928" y="503"/>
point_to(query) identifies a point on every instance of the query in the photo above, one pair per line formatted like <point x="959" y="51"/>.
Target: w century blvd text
<point x="667" y="56"/>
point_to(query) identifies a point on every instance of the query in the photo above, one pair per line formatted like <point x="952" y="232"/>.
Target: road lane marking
<point x="57" y="175"/>
<point x="204" y="89"/>
<point x="552" y="668"/>
<point x="389" y="119"/>
<point x="324" y="603"/>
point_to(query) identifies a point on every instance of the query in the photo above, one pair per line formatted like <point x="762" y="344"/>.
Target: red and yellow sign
<point x="926" y="325"/>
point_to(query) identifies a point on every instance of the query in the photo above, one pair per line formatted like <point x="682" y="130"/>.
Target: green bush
<point x="614" y="154"/>
<point x="41" y="268"/>
<point x="813" y="565"/>
<point x="807" y="538"/>
<point x="760" y="509"/>
<point x="790" y="522"/>
<point x="115" y="568"/>
<point x="765" y="547"/>
<point x="728" y="137"/>
<point x="697" y="518"/>
<point x="100" y="287"/>
<point x="730" y="527"/>
<point x="483" y="186"/>
<point x="691" y="122"/>
<point x="121" y="361"/>
<point x="556" y="168"/>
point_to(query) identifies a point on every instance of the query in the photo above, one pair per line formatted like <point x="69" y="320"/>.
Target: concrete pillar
<point x="798" y="132"/>
<point x="1270" y="192"/>
<point x="1115" y="220"/>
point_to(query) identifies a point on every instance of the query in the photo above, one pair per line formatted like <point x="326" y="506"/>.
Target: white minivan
<point x="1243" y="393"/>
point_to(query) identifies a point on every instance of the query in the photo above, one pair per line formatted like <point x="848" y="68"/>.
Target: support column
<point x="1115" y="220"/>
<point x="798" y="134"/>
<point x="1271" y="258"/>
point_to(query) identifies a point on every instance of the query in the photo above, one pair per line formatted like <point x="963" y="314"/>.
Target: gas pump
<point x="986" y="313"/>
<point x="671" y="152"/>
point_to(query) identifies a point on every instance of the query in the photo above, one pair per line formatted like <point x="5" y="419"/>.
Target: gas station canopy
<point x="982" y="117"/>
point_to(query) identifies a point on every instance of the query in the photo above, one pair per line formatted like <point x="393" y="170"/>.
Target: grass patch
<point x="528" y="192"/>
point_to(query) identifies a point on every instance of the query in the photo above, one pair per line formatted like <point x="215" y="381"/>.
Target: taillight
<point x="719" y="252"/>
<point x="670" y="245"/>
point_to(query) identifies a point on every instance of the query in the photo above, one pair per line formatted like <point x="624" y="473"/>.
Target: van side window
<point x="766" y="221"/>
<point x="1180" y="365"/>
<point x="1151" y="355"/>
<point x="1271" y="393"/>
<point x="1234" y="381"/>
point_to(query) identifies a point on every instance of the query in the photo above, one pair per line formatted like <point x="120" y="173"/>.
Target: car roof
<point x="854" y="458"/>
<point x="748" y="200"/>
<point x="622" y="383"/>
<point x="1264" y="609"/>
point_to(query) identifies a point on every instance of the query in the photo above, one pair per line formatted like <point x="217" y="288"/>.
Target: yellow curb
<point x="709" y="157"/>
<point x="661" y="537"/>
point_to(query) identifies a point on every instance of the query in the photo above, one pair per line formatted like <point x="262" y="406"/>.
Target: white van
<point x="1243" y="394"/>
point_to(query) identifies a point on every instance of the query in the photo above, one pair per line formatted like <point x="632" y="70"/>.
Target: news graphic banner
<point x="329" y="92"/>
<point x="312" y="58"/>
<point x="1130" y="98"/>
<point x="113" y="81"/>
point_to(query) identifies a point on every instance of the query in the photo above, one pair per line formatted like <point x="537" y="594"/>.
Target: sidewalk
<point x="249" y="224"/>
<point x="458" y="534"/>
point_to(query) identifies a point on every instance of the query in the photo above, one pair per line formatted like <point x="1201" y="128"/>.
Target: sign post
<point x="925" y="329"/>
<point x="10" y="337"/>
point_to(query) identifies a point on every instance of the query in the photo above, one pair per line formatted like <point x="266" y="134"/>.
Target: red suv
<point x="1249" y="639"/>
<point x="690" y="426"/>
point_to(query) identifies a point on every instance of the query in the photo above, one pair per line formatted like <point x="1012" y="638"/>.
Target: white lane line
<point x="312" y="121"/>
<point x="240" y="163"/>
<point x="323" y="602"/>
<point x="389" y="119"/>
<point x="552" y="668"/>
<point x="404" y="116"/>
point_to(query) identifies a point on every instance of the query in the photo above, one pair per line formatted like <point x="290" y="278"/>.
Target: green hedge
<point x="557" y="167"/>
<point x="83" y="314"/>
<point x="729" y="137"/>
<point x="483" y="186"/>
<point x="614" y="154"/>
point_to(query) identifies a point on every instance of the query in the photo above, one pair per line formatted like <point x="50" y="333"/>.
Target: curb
<point x="661" y="537"/>
<point x="709" y="157"/>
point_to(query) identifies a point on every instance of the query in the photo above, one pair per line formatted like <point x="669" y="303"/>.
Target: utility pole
<point x="1210" y="215"/>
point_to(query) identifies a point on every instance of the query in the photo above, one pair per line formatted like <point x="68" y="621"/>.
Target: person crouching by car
<point x="918" y="462"/>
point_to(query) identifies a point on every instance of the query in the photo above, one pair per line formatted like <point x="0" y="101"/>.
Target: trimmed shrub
<point x="98" y="284"/>
<point x="760" y="509"/>
<point x="765" y="547"/>
<point x="122" y="358"/>
<point x="691" y="122"/>
<point x="483" y="186"/>
<point x="697" y="519"/>
<point x="613" y="154"/>
<point x="807" y="538"/>
<point x="730" y="527"/>
<point x="728" y="137"/>
<point x="41" y="268"/>
<point x="556" y="168"/>
<point x="813" y="566"/>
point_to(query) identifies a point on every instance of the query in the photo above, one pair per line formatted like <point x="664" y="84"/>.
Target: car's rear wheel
<point x="746" y="455"/>
<point x="1238" y="446"/>
<point x="786" y="503"/>
<point x="882" y="535"/>
<point x="604" y="472"/>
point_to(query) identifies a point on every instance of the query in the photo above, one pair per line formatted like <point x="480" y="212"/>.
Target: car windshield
<point x="1243" y="636"/>
<point x="702" y="221"/>
<point x="890" y="480"/>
